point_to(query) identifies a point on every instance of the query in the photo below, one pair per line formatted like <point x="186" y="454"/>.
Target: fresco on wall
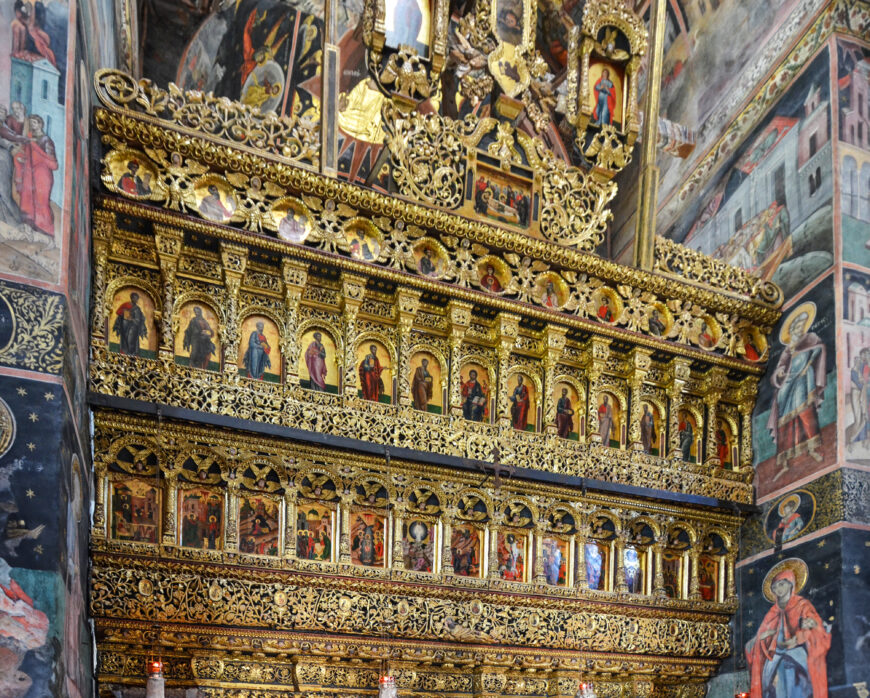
<point x="855" y="364"/>
<point x="794" y="431"/>
<point x="769" y="208"/>
<point x="853" y="85"/>
<point x="33" y="70"/>
<point x="856" y="602"/>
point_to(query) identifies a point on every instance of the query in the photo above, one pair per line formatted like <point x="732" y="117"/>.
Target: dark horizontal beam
<point x="98" y="400"/>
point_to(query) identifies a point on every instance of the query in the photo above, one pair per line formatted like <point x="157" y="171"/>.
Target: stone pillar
<point x="555" y="338"/>
<point x="600" y="351"/>
<point x="344" y="539"/>
<point x="102" y="230"/>
<point x="295" y="277"/>
<point x="680" y="374"/>
<point x="169" y="242"/>
<point x="716" y="384"/>
<point x="641" y="361"/>
<point x="407" y="305"/>
<point x="508" y="327"/>
<point x="459" y="316"/>
<point x="353" y="290"/>
<point x="235" y="260"/>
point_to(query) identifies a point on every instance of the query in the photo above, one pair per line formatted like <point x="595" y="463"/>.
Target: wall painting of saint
<point x="555" y="555"/>
<point x="522" y="398"/>
<point x="367" y="539"/>
<point x="790" y="516"/>
<point x="197" y="344"/>
<point x="200" y="517"/>
<point x="318" y="369"/>
<point x="418" y="545"/>
<point x="260" y="350"/>
<point x="465" y="550"/>
<point x="375" y="372"/>
<point x="426" y="390"/>
<point x="314" y="532"/>
<point x="132" y="330"/>
<point x="407" y="24"/>
<point x="259" y="525"/>
<point x="135" y="511"/>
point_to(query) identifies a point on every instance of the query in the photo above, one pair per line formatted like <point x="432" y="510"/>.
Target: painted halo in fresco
<point x="132" y="174"/>
<point x="363" y="240"/>
<point x="789" y="516"/>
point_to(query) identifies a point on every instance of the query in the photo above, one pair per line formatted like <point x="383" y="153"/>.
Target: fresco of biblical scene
<point x="856" y="293"/>
<point x="292" y="220"/>
<point x="551" y="291"/>
<point x="753" y="345"/>
<point x="135" y="511"/>
<point x="314" y="532"/>
<point x="708" y="577"/>
<point x="707" y="332"/>
<point x="652" y="434"/>
<point x="426" y="390"/>
<point x="364" y="241"/>
<point x="407" y="24"/>
<point x="214" y="198"/>
<point x="523" y="402"/>
<point x="512" y="553"/>
<point x="197" y="344"/>
<point x="501" y="197"/>
<point x="597" y="565"/>
<point x="610" y="420"/>
<point x="375" y="374"/>
<point x="418" y="545"/>
<point x="474" y="389"/>
<point x="659" y="320"/>
<point x="493" y="274"/>
<point x="795" y="420"/>
<point x="200" y="518"/>
<point x="790" y="516"/>
<point x="260" y="351"/>
<point x="689" y="435"/>
<point x="634" y="569"/>
<point x="133" y="331"/>
<point x="259" y="525"/>
<point x="318" y="369"/>
<point x="725" y="444"/>
<point x="769" y="210"/>
<point x="606" y="306"/>
<point x="367" y="539"/>
<point x="132" y="174"/>
<point x="430" y="258"/>
<point x="672" y="570"/>
<point x="607" y="86"/>
<point x="568" y="411"/>
<point x="555" y="552"/>
<point x="465" y="550"/>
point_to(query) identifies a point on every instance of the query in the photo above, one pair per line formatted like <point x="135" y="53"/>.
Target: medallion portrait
<point x="465" y="550"/>
<point x="200" y="517"/>
<point x="426" y="389"/>
<point x="318" y="369"/>
<point x="314" y="532"/>
<point x="197" y="345"/>
<point x="407" y="24"/>
<point x="597" y="556"/>
<point x="790" y="516"/>
<point x="652" y="433"/>
<point x="568" y="411"/>
<point x="610" y="420"/>
<point x="474" y="390"/>
<point x="606" y="306"/>
<point x="135" y="511"/>
<point x="430" y="258"/>
<point x="291" y="219"/>
<point x="659" y="320"/>
<point x="259" y="525"/>
<point x="132" y="174"/>
<point x="551" y="291"/>
<point x="367" y="538"/>
<point x="522" y="398"/>
<point x="364" y="241"/>
<point x="493" y="274"/>
<point x="555" y="557"/>
<point x="418" y="545"/>
<point x="260" y="350"/>
<point x="214" y="199"/>
<point x="753" y="345"/>
<point x="707" y="332"/>
<point x="133" y="331"/>
<point x="375" y="372"/>
<point x="512" y="553"/>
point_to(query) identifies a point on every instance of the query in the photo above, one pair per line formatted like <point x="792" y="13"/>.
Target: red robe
<point x="520" y="409"/>
<point x="370" y="381"/>
<point x="35" y="163"/>
<point x="815" y="640"/>
<point x="605" y="313"/>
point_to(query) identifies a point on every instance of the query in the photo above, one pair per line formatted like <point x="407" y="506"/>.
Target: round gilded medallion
<point x="146" y="588"/>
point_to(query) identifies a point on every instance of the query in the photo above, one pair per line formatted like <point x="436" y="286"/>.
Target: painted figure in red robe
<point x="520" y="406"/>
<point x="370" y="370"/>
<point x="315" y="361"/>
<point x="35" y="163"/>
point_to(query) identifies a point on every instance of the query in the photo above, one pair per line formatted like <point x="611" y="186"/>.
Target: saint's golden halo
<point x="809" y="308"/>
<point x="793" y="499"/>
<point x="798" y="568"/>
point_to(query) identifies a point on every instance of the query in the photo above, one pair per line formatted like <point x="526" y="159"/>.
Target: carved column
<point x="495" y="522"/>
<point x="231" y="533"/>
<point x="234" y="259"/>
<point x="398" y="549"/>
<point x="730" y="576"/>
<point x="694" y="582"/>
<point x="344" y="538"/>
<point x="490" y="682"/>
<point x="168" y="242"/>
<point x="599" y="352"/>
<point x="99" y="530"/>
<point x="619" y="550"/>
<point x="581" y="581"/>
<point x="290" y="501"/>
<point x="555" y="339"/>
<point x="459" y="316"/>
<point x="407" y="305"/>
<point x="717" y="382"/>
<point x="448" y="519"/>
<point x="641" y="361"/>
<point x="103" y="230"/>
<point x="353" y="289"/>
<point x="659" y="576"/>
<point x="508" y="328"/>
<point x="295" y="277"/>
<point x="170" y="508"/>
<point x="681" y="373"/>
<point x="540" y="576"/>
<point x="748" y="391"/>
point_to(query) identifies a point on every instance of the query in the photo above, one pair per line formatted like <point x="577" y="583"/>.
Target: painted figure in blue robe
<point x="256" y="358"/>
<point x="605" y="100"/>
<point x="407" y="21"/>
<point x="631" y="564"/>
<point x="593" y="565"/>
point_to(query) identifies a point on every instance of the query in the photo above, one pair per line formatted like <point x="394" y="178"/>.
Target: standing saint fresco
<point x="564" y="415"/>
<point x="370" y="381"/>
<point x="256" y="358"/>
<point x="198" y="340"/>
<point x="520" y="405"/>
<point x="421" y="387"/>
<point x="130" y="325"/>
<point x="687" y="437"/>
<point x="605" y="420"/>
<point x="473" y="398"/>
<point x="647" y="429"/>
<point x="315" y="360"/>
